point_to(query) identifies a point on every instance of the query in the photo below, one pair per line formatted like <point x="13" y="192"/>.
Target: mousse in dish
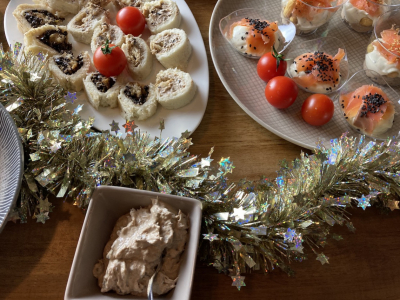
<point x="136" y="246"/>
<point x="254" y="37"/>
<point x="368" y="110"/>
<point x="317" y="72"/>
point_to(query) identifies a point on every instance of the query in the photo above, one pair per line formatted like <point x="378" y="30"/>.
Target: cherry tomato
<point x="281" y="92"/>
<point x="317" y="110"/>
<point x="131" y="20"/>
<point x="109" y="61"/>
<point x="267" y="66"/>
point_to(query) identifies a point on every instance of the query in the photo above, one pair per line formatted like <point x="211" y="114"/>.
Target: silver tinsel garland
<point x="246" y="225"/>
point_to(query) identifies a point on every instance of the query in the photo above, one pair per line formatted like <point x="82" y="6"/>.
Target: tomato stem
<point x="278" y="57"/>
<point x="106" y="49"/>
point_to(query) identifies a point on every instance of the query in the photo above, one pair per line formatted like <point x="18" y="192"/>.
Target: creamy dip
<point x="135" y="248"/>
<point x="375" y="61"/>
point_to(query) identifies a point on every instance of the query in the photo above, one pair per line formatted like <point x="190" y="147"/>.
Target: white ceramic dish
<point x="106" y="206"/>
<point x="239" y="76"/>
<point x="176" y="121"/>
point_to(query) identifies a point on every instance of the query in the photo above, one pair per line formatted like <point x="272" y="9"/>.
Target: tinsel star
<point x="226" y="164"/>
<point x="297" y="248"/>
<point x="238" y="281"/>
<point x="34" y="77"/>
<point x="78" y="109"/>
<point x="55" y="147"/>
<point x="239" y="212"/>
<point x="185" y="134"/>
<point x="70" y="97"/>
<point x="129" y="126"/>
<point x="363" y="202"/>
<point x="13" y="216"/>
<point x="289" y="235"/>
<point x="393" y="205"/>
<point x="44" y="205"/>
<point x="211" y="237"/>
<point x="114" y="126"/>
<point x="206" y="162"/>
<point x="162" y="125"/>
<point x="322" y="258"/>
<point x="42" y="217"/>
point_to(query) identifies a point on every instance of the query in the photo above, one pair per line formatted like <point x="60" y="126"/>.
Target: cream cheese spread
<point x="136" y="245"/>
<point x="375" y="61"/>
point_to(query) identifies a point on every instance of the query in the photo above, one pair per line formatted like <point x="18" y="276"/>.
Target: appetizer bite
<point x="104" y="32"/>
<point x="172" y="48"/>
<point x="308" y="15"/>
<point x="68" y="6"/>
<point x="368" y="110"/>
<point x="138" y="55"/>
<point x="101" y="90"/>
<point x="83" y="24"/>
<point x="383" y="55"/>
<point x="30" y="16"/>
<point x="317" y="72"/>
<point x="361" y="15"/>
<point x="48" y="39"/>
<point x="161" y="15"/>
<point x="134" y="3"/>
<point x="137" y="102"/>
<point x="175" y="88"/>
<point x="254" y="37"/>
<point x="70" y="71"/>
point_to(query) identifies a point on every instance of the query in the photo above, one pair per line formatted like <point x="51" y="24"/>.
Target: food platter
<point x="238" y="75"/>
<point x="11" y="164"/>
<point x="176" y="121"/>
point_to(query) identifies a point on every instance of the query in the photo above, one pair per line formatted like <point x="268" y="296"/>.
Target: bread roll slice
<point x="48" y="39"/>
<point x="134" y="3"/>
<point x="83" y="24"/>
<point x="105" y="32"/>
<point x="70" y="71"/>
<point x="101" y="90"/>
<point x="140" y="60"/>
<point x="161" y="15"/>
<point x="175" y="88"/>
<point x="67" y="6"/>
<point x="172" y="48"/>
<point x="30" y="16"/>
<point x="137" y="102"/>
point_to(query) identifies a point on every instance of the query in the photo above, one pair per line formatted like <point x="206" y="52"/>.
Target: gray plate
<point x="11" y="165"/>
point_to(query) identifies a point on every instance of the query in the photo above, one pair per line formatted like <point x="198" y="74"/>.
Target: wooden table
<point x="35" y="259"/>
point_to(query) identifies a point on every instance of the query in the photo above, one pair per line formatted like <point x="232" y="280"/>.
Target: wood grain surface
<point x="35" y="259"/>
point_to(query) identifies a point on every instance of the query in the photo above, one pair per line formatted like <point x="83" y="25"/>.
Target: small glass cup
<point x="362" y="19"/>
<point x="328" y="45"/>
<point x="306" y="17"/>
<point x="379" y="58"/>
<point x="368" y="77"/>
<point x="288" y="31"/>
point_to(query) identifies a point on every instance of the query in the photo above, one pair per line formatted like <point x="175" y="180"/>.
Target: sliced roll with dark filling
<point x="134" y="3"/>
<point x="70" y="71"/>
<point x="101" y="90"/>
<point x="30" y="16"/>
<point x="140" y="60"/>
<point x="88" y="18"/>
<point x="105" y="32"/>
<point x="172" y="48"/>
<point x="137" y="102"/>
<point x="161" y="15"/>
<point x="68" y="6"/>
<point x="48" y="39"/>
<point x="175" y="88"/>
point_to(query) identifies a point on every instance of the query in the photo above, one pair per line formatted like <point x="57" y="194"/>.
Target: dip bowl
<point x="106" y="206"/>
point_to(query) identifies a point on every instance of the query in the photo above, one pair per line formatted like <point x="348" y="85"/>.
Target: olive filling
<point x="56" y="39"/>
<point x="39" y="18"/>
<point x="68" y="64"/>
<point x="102" y="83"/>
<point x="133" y="95"/>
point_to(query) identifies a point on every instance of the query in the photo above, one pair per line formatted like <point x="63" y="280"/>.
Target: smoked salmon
<point x="390" y="41"/>
<point x="369" y="6"/>
<point x="368" y="109"/>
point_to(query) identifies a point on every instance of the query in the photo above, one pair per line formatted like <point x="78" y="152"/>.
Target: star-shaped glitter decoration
<point x="42" y="217"/>
<point x="239" y="212"/>
<point x="55" y="147"/>
<point x="297" y="248"/>
<point x="211" y="237"/>
<point x="351" y="227"/>
<point x="226" y="164"/>
<point x="322" y="258"/>
<point x="363" y="202"/>
<point x="206" y="162"/>
<point x="129" y="126"/>
<point x="162" y="125"/>
<point x="393" y="205"/>
<point x="238" y="281"/>
<point x="34" y="77"/>
<point x="44" y="205"/>
<point x="78" y="109"/>
<point x="13" y="216"/>
<point x="185" y="134"/>
<point x="70" y="97"/>
<point x="289" y="235"/>
<point x="114" y="126"/>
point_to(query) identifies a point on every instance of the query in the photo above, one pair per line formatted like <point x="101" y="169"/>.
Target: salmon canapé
<point x="371" y="7"/>
<point x="368" y="109"/>
<point x="318" y="70"/>
<point x="307" y="9"/>
<point x="389" y="45"/>
<point x="254" y="36"/>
